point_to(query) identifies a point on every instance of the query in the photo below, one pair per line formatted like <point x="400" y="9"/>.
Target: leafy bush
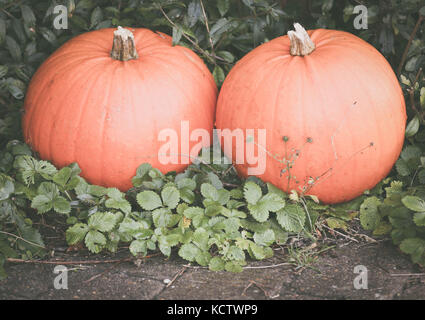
<point x="208" y="213"/>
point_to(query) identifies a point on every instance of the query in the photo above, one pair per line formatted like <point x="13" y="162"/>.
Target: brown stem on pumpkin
<point x="301" y="44"/>
<point x="123" y="48"/>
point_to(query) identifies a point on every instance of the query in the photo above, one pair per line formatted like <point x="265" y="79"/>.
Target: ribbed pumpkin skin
<point x="83" y="106"/>
<point x="341" y="107"/>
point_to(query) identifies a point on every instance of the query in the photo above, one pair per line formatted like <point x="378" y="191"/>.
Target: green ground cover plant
<point x="206" y="214"/>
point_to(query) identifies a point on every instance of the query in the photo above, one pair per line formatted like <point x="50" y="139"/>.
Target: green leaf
<point x="203" y="258"/>
<point x="162" y="217"/>
<point x="411" y="245"/>
<point x="421" y="176"/>
<point x="65" y="178"/>
<point x="138" y="247"/>
<point x="272" y="202"/>
<point x="114" y="193"/>
<point x="170" y="240"/>
<point x="419" y="219"/>
<point x="258" y="212"/>
<point x="215" y="180"/>
<point x="121" y="204"/>
<point x="395" y="187"/>
<point x="165" y="250"/>
<point x="194" y="12"/>
<point x="281" y="236"/>
<point x="177" y="35"/>
<point x="234" y="205"/>
<point x="189" y="251"/>
<point x="3" y="71"/>
<point x="252" y="192"/>
<point x="256" y="251"/>
<point x="415" y="247"/>
<point x="28" y="16"/>
<point x="7" y="250"/>
<point x="411" y="152"/>
<point x="209" y="192"/>
<point x="223" y="6"/>
<point x="291" y="218"/>
<point x="186" y="183"/>
<point x="235" y="253"/>
<point x="46" y="169"/>
<point x="42" y="203"/>
<point x="399" y="234"/>
<point x="48" y="189"/>
<point x="132" y="227"/>
<point x="170" y="197"/>
<point x="187" y="195"/>
<point x="14" y="49"/>
<point x="216" y="264"/>
<point x="30" y="167"/>
<point x="273" y="189"/>
<point x="233" y="266"/>
<point x="236" y="194"/>
<point x="219" y="76"/>
<point x="50" y="36"/>
<point x="232" y="225"/>
<point x="76" y="233"/>
<point x="200" y="238"/>
<point x="223" y="196"/>
<point x="97" y="191"/>
<point x="402" y="168"/>
<point x="7" y="187"/>
<point x="254" y="226"/>
<point x="102" y="221"/>
<point x="84" y="5"/>
<point x="149" y="200"/>
<point x="383" y="228"/>
<point x="414" y="203"/>
<point x="335" y="223"/>
<point x="77" y="22"/>
<point x="16" y="88"/>
<point x="142" y="174"/>
<point x="96" y="17"/>
<point x="369" y="213"/>
<point x="192" y="212"/>
<point x="265" y="238"/>
<point x="95" y="241"/>
<point x="227" y="56"/>
<point x="61" y="205"/>
<point x="221" y="26"/>
<point x="412" y="127"/>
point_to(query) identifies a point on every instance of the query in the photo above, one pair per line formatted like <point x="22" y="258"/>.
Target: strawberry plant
<point x="206" y="215"/>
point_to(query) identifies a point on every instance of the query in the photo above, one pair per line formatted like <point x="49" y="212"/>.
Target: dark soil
<point x="391" y="275"/>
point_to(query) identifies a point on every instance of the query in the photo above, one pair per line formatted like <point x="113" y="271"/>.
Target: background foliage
<point x="208" y="213"/>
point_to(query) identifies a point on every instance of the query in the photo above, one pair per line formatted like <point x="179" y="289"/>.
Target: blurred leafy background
<point x="221" y="32"/>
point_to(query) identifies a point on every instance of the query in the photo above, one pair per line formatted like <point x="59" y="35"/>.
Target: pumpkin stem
<point x="123" y="48"/>
<point x="301" y="44"/>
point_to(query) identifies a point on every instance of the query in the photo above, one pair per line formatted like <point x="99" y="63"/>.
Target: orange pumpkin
<point x="332" y="108"/>
<point x="105" y="109"/>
